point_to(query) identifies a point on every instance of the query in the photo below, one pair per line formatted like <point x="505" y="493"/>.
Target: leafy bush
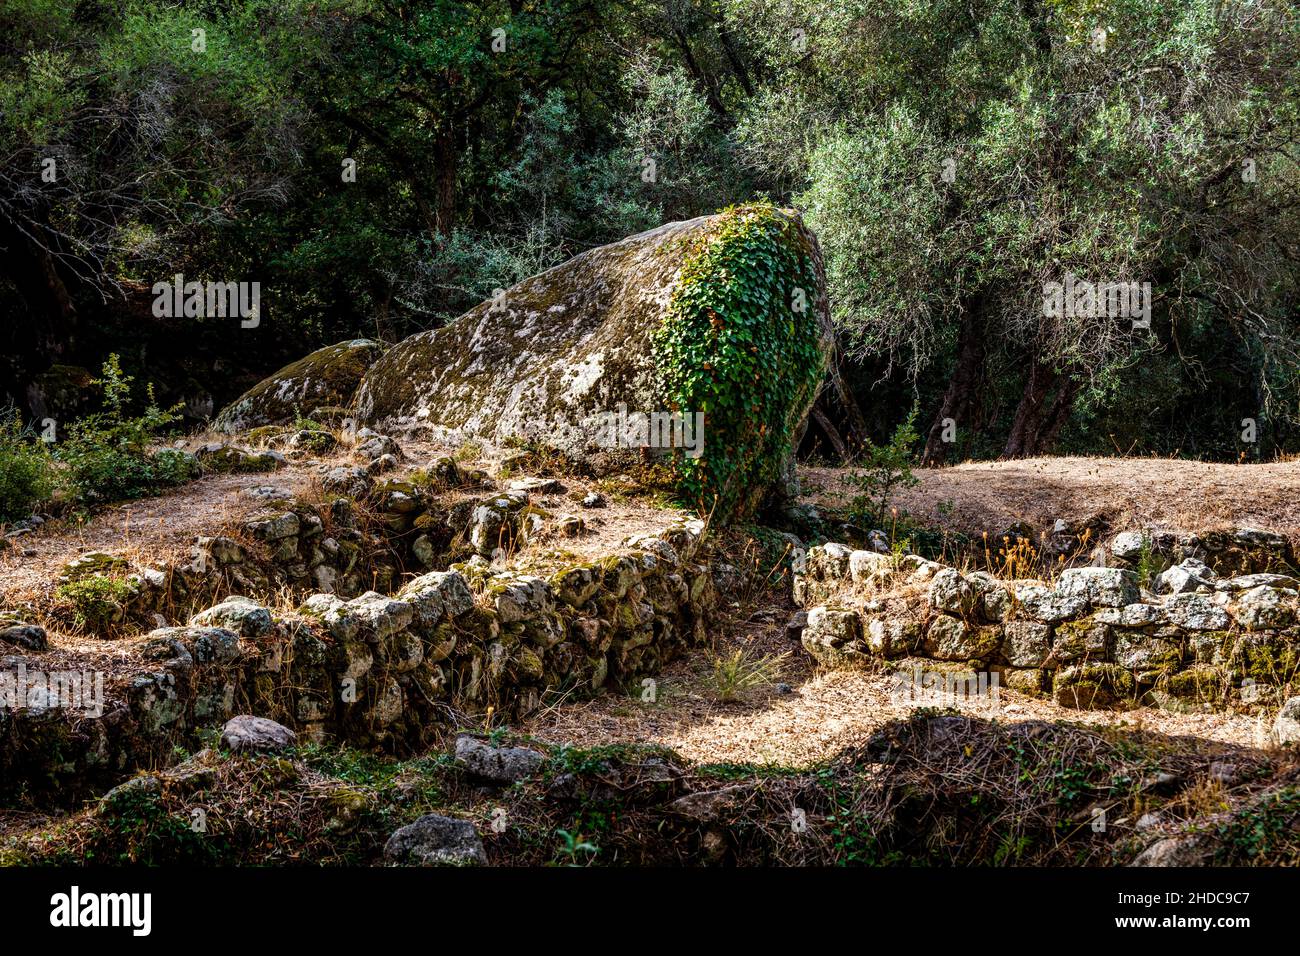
<point x="26" y="473"/>
<point x="108" y="454"/>
<point x="888" y="468"/>
<point x="97" y="601"/>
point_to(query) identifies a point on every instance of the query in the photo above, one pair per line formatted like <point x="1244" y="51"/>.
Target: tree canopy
<point x="380" y="167"/>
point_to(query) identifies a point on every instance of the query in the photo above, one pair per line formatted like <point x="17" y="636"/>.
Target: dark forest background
<point x="952" y="155"/>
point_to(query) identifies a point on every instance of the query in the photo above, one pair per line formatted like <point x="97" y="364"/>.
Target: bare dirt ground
<point x="827" y="711"/>
<point x="822" y="712"/>
<point x="1122" y="493"/>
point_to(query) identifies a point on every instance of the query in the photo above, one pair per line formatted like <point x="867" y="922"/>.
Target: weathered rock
<point x="951" y="639"/>
<point x="201" y="643"/>
<point x="1093" y="686"/>
<point x="370" y="617"/>
<point x="275" y="527"/>
<point x="1172" y="851"/>
<point x="246" y="733"/>
<point x="1087" y="639"/>
<point x="1286" y="726"/>
<point x="1128" y="545"/>
<point x="495" y="522"/>
<point x="503" y="765"/>
<point x="1027" y="680"/>
<point x="1245" y="582"/>
<point x="1138" y="651"/>
<point x="434" y="840"/>
<point x="710" y="806"/>
<point x="1266" y="606"/>
<point x="1026" y="643"/>
<point x="328" y="376"/>
<point x="127" y="797"/>
<point x="436" y="597"/>
<point x="869" y="567"/>
<point x="833" y="636"/>
<point x="1196" y="613"/>
<point x="890" y="637"/>
<point x="1047" y="605"/>
<point x="239" y="614"/>
<point x="219" y="457"/>
<point x="1100" y="587"/>
<point x="30" y="637"/>
<point x="313" y="440"/>
<point x="220" y="550"/>
<point x="545" y="360"/>
<point x="950" y="592"/>
<point x="1185" y="577"/>
<point x="537" y="486"/>
<point x="519" y="597"/>
<point x="92" y="562"/>
<point x="1198" y="688"/>
<point x="343" y="480"/>
<point x="373" y="446"/>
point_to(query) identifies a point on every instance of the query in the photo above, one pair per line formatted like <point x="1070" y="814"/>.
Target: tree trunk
<point x="44" y="334"/>
<point x="697" y="73"/>
<point x="446" y="161"/>
<point x="830" y="431"/>
<point x="733" y="57"/>
<point x="1039" y="419"/>
<point x="856" y="422"/>
<point x="959" y="399"/>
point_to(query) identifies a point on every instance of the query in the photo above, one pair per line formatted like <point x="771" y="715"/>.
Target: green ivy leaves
<point x="734" y="346"/>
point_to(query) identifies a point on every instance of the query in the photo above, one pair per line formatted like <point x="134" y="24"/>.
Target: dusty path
<point x="1124" y="493"/>
<point x="820" y="714"/>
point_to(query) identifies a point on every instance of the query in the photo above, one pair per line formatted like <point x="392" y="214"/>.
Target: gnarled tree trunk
<point x="1044" y="407"/>
<point x="959" y="399"/>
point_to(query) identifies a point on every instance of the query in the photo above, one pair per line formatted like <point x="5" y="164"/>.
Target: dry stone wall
<point x="375" y="669"/>
<point x="1188" y="638"/>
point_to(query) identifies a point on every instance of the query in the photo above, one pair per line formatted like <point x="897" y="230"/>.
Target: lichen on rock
<point x="723" y="316"/>
<point x="327" y="378"/>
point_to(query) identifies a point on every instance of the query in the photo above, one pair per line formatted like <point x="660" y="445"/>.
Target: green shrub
<point x="26" y="472"/>
<point x="887" y="468"/>
<point x="107" y="453"/>
<point x="97" y="601"/>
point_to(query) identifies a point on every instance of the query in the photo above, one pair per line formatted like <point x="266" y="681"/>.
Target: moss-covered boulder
<point x="723" y="316"/>
<point x="327" y="378"/>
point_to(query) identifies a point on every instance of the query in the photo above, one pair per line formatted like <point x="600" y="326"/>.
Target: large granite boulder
<point x="327" y="378"/>
<point x="723" y="316"/>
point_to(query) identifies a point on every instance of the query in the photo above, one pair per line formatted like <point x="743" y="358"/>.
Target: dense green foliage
<point x="379" y="167"/>
<point x="109" y="455"/>
<point x="738" y="346"/>
<point x="26" y="475"/>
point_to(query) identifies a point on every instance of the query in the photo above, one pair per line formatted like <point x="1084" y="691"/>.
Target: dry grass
<point x="1119" y="493"/>
<point x="826" y="712"/>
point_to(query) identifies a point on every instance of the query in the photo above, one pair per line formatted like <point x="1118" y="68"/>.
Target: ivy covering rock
<point x="723" y="316"/>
